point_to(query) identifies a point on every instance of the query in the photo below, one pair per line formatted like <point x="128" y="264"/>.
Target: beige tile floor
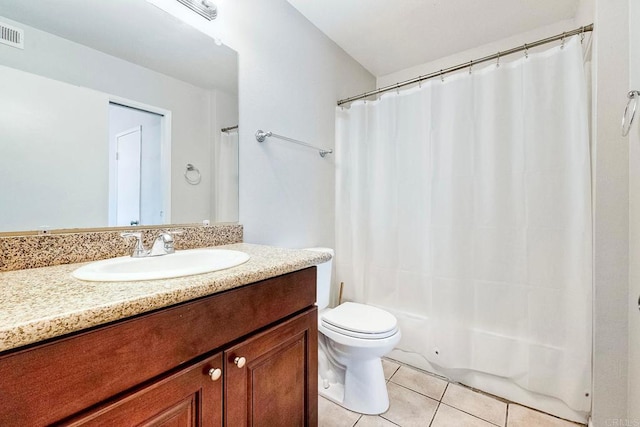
<point x="418" y="398"/>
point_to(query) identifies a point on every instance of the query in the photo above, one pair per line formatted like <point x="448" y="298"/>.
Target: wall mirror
<point x="111" y="114"/>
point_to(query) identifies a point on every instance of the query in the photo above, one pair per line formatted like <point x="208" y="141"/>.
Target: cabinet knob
<point x="215" y="374"/>
<point x="239" y="361"/>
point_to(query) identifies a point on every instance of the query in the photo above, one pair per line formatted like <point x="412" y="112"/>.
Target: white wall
<point x="634" y="221"/>
<point x="585" y="14"/>
<point x="611" y="212"/>
<point x="42" y="180"/>
<point x="291" y="76"/>
<point x="62" y="60"/>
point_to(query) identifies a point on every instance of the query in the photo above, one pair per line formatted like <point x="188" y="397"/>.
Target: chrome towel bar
<point x="262" y="135"/>
<point x="626" y="120"/>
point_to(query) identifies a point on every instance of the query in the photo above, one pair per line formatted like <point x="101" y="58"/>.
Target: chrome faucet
<point x="162" y="245"/>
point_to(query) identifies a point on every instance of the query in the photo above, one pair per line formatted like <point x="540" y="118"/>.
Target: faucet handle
<point x="170" y="241"/>
<point x="136" y="234"/>
<point x="163" y="244"/>
<point x="138" y="250"/>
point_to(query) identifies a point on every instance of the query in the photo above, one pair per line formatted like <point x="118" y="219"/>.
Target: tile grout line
<point x="506" y="416"/>
<point x="444" y="391"/>
<point x="388" y="420"/>
<point x="483" y="393"/>
<point x="434" y="414"/>
<point x="390" y="380"/>
<point x="417" y="392"/>
<point x="456" y="408"/>
<point x="575" y="423"/>
<point x="439" y="403"/>
<point x="394" y="372"/>
<point x="469" y="413"/>
<point x="431" y="374"/>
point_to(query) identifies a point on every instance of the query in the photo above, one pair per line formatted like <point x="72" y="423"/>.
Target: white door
<point x="634" y="220"/>
<point x="128" y="177"/>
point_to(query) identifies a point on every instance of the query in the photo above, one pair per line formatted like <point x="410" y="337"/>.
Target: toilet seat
<point x="360" y="321"/>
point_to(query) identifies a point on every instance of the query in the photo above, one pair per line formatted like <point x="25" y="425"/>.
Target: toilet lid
<point x="360" y="320"/>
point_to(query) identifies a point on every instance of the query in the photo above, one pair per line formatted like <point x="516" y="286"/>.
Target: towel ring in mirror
<point x="192" y="174"/>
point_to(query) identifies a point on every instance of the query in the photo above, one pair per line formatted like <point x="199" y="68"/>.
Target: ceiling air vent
<point x="11" y="36"/>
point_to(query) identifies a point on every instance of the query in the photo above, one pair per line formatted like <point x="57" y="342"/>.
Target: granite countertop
<point x="42" y="303"/>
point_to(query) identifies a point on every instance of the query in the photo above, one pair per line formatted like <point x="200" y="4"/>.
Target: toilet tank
<point x="323" y="284"/>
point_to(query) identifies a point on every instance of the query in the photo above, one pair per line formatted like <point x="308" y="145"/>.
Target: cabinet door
<point x="190" y="397"/>
<point x="271" y="378"/>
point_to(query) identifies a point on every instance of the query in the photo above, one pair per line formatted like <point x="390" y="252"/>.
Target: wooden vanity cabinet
<point x="187" y="398"/>
<point x="159" y="369"/>
<point x="278" y="382"/>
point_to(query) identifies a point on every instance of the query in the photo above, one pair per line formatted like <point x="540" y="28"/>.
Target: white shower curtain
<point x="464" y="207"/>
<point x="226" y="178"/>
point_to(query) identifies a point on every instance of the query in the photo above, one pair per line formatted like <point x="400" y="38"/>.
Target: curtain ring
<point x="581" y="35"/>
<point x="633" y="96"/>
<point x="441" y="76"/>
<point x="498" y="62"/>
<point x="562" y="44"/>
<point x="192" y="180"/>
<point x="470" y="66"/>
<point x="526" y="51"/>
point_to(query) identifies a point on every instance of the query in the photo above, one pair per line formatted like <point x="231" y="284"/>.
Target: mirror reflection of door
<point x="135" y="173"/>
<point x="128" y="147"/>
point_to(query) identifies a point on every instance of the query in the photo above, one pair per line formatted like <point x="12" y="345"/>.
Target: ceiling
<point x="388" y="36"/>
<point x="136" y="31"/>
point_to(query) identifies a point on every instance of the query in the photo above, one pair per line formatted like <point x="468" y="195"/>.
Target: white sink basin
<point x="178" y="264"/>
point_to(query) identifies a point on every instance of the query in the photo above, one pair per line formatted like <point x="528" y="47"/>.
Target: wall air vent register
<point x="11" y="36"/>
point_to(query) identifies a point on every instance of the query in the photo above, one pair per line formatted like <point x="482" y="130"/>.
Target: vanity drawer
<point x="49" y="382"/>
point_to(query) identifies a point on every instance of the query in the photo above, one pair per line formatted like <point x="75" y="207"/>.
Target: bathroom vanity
<point x="243" y="354"/>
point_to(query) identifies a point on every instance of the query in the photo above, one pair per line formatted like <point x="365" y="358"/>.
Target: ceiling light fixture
<point x="204" y="8"/>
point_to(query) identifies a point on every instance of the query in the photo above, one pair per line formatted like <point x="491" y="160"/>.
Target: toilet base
<point x="364" y="389"/>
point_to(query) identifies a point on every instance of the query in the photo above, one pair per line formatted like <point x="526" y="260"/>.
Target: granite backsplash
<point x="18" y="252"/>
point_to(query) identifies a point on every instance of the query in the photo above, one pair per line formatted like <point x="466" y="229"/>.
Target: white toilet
<point x="352" y="338"/>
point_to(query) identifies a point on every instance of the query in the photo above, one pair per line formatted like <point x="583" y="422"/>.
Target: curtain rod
<point x="525" y="47"/>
